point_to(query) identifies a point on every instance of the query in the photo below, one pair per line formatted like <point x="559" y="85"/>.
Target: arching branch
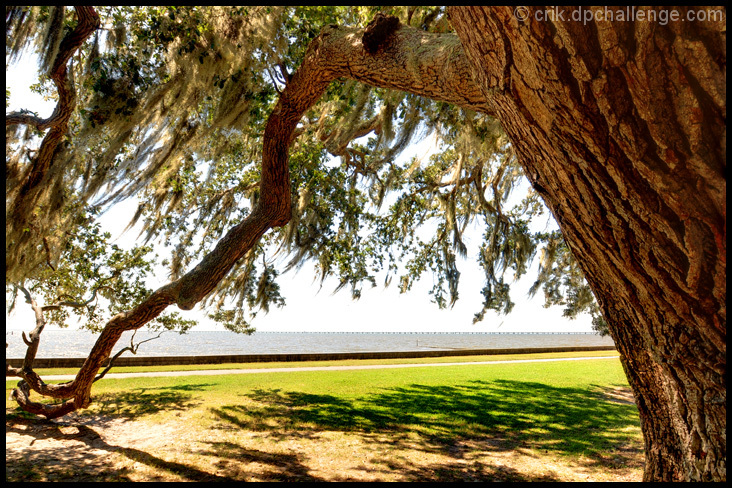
<point x="88" y="22"/>
<point x="20" y="200"/>
<point x="430" y="65"/>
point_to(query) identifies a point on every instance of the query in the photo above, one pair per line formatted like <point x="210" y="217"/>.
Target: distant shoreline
<point x="293" y="357"/>
<point x="76" y="343"/>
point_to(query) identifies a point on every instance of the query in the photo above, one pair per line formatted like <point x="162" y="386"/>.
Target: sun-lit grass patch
<point x="384" y="416"/>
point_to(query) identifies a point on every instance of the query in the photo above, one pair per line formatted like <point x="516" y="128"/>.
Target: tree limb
<point x="20" y="200"/>
<point x="431" y="65"/>
<point x="69" y="303"/>
<point x="88" y="22"/>
<point x="132" y="348"/>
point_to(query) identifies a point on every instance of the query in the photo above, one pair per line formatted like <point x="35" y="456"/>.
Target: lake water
<point x="75" y="343"/>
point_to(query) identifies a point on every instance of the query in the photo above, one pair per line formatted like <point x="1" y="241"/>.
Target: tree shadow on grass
<point x="135" y="402"/>
<point x="515" y="414"/>
<point x="138" y="402"/>
<point x="468" y="425"/>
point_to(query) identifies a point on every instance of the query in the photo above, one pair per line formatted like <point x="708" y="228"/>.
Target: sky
<point x="312" y="308"/>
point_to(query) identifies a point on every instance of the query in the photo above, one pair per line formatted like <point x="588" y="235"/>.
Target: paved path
<point x="210" y="372"/>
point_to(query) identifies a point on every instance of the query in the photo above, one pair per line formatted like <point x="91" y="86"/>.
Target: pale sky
<point x="310" y="308"/>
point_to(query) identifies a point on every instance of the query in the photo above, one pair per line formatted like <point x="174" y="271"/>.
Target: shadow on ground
<point x="501" y="415"/>
<point x="563" y="420"/>
<point x="71" y="448"/>
<point x="468" y="426"/>
<point x="138" y="402"/>
<point x="76" y="460"/>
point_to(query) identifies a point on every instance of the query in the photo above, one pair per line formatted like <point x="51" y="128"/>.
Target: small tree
<point x="92" y="280"/>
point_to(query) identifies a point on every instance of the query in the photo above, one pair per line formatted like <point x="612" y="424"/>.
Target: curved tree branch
<point x="131" y="348"/>
<point x="402" y="58"/>
<point x="88" y="22"/>
<point x="51" y="411"/>
<point x="20" y="200"/>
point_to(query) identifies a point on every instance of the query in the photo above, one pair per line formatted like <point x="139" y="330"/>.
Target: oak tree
<point x="619" y="125"/>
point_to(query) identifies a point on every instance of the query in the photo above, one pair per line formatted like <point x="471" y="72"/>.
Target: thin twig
<point x="132" y="348"/>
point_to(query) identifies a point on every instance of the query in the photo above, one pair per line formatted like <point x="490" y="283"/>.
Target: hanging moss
<point x="171" y="107"/>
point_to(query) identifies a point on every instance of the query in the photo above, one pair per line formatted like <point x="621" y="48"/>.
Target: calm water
<point x="74" y="343"/>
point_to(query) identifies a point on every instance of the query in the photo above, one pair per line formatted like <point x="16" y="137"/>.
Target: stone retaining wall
<point x="264" y="358"/>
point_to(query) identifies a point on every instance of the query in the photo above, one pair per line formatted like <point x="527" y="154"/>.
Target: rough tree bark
<point x="621" y="127"/>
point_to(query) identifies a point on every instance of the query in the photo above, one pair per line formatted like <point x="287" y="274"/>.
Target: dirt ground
<point x="89" y="448"/>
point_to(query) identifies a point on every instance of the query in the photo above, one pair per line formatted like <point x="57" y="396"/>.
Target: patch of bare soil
<point x="87" y="448"/>
<point x="75" y="449"/>
<point x="623" y="396"/>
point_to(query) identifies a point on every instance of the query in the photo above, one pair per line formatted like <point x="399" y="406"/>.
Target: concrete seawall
<point x="265" y="358"/>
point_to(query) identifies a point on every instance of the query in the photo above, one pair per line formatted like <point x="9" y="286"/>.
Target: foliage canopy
<point x="170" y="108"/>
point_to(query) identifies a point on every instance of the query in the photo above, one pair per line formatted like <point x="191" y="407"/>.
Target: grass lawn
<point x="522" y="421"/>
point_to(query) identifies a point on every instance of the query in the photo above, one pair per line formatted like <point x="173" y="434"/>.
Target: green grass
<point x="558" y="406"/>
<point x="541" y="410"/>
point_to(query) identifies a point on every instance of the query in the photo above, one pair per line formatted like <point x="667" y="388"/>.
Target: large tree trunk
<point x="621" y="127"/>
